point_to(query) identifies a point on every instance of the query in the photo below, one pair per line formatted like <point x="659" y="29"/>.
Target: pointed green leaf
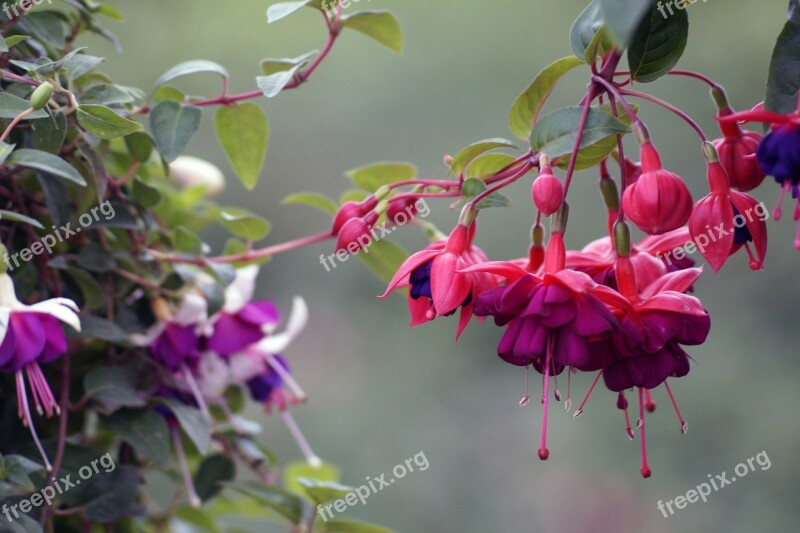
<point x="112" y="384"/>
<point x="173" y="126"/>
<point x="623" y="17"/>
<point x="282" y="502"/>
<point x="371" y="177"/>
<point x="528" y="105"/>
<point x="190" y="67"/>
<point x="5" y="151"/>
<point x="352" y="526"/>
<point x="555" y="134"/>
<point x="244" y="224"/>
<point x="320" y="201"/>
<point x="465" y="155"/>
<point x="19" y="217"/>
<point x="11" y="106"/>
<point x="323" y="491"/>
<point x="45" y="162"/>
<point x="657" y="45"/>
<point x="192" y="422"/>
<point x="144" y="429"/>
<point x="379" y="25"/>
<point x="584" y="28"/>
<point x="104" y="122"/>
<point x="271" y="66"/>
<point x="784" y="76"/>
<point x="487" y="165"/>
<point x="243" y="133"/>
<point x="276" y="12"/>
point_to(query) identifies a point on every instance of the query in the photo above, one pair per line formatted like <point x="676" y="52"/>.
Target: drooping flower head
<point x="737" y="148"/>
<point x="437" y="281"/>
<point x="29" y="336"/>
<point x="726" y="220"/>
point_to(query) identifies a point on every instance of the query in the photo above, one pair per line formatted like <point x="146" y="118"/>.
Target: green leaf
<point x="105" y="94"/>
<point x="555" y="134"/>
<point x="5" y="151"/>
<point x="144" y="429"/>
<point x="140" y="145"/>
<point x="113" y="494"/>
<point x="93" y="297"/>
<point x="473" y="187"/>
<point x="213" y="472"/>
<point x="244" y="224"/>
<point x="113" y="385"/>
<point x="584" y="28"/>
<point x="657" y="45"/>
<point x="94" y="327"/>
<point x="19" y="217"/>
<point x="372" y="177"/>
<point x="379" y="25"/>
<point x="243" y="132"/>
<point x="192" y="421"/>
<point x="323" y="491"/>
<point x="282" y="502"/>
<point x="384" y="258"/>
<point x="623" y="17"/>
<point x="94" y="258"/>
<point x="528" y="105"/>
<point x="48" y="134"/>
<point x="186" y="241"/>
<point x="11" y="106"/>
<point x="46" y="162"/>
<point x="271" y="66"/>
<point x="173" y="126"/>
<point x="293" y="472"/>
<point x="352" y="526"/>
<point x="600" y="45"/>
<point x="784" y="76"/>
<point x="312" y="199"/>
<point x="144" y="193"/>
<point x="465" y="155"/>
<point x="191" y="67"/>
<point x="592" y="155"/>
<point x="282" y="10"/>
<point x="104" y="122"/>
<point x="14" y="40"/>
<point x="487" y="165"/>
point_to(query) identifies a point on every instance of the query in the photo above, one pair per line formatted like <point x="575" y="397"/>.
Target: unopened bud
<point x="41" y="95"/>
<point x="622" y="239"/>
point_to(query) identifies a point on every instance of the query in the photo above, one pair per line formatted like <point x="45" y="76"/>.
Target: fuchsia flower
<point x="31" y="335"/>
<point x="778" y="153"/>
<point x="547" y="191"/>
<point x="658" y="201"/>
<point x="724" y="221"/>
<point x="438" y="284"/>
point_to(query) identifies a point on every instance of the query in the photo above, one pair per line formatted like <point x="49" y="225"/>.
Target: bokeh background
<point x="381" y="392"/>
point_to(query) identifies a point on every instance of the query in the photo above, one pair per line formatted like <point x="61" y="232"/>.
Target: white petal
<point x="241" y="290"/>
<point x="245" y="366"/>
<point x="149" y="335"/>
<point x="5" y="314"/>
<point x="192" y="310"/>
<point x="63" y="309"/>
<point x="297" y="322"/>
<point x="8" y="298"/>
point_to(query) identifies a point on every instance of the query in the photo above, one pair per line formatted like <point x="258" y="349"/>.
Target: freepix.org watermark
<point x="666" y="8"/>
<point x="329" y="6"/>
<point x="420" y="209"/>
<point x="18" y="8"/>
<point x="374" y="484"/>
<point x="58" y="487"/>
<point x="701" y="241"/>
<point x="49" y="241"/>
<point x="703" y="490"/>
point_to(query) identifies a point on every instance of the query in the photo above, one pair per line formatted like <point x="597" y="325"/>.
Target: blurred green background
<point x="381" y="392"/>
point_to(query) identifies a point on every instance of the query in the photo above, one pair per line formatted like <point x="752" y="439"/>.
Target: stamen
<point x="41" y="388"/>
<point x="312" y="458"/>
<point x="525" y="399"/>
<point x="556" y="392"/>
<point x="684" y="425"/>
<point x="778" y="212"/>
<point x="35" y="391"/>
<point x="568" y="401"/>
<point x="645" y="470"/>
<point x="797" y="239"/>
<point x="755" y="264"/>
<point x="586" y="398"/>
<point x="286" y="377"/>
<point x="25" y="413"/>
<point x="624" y="402"/>
<point x="649" y="404"/>
<point x="198" y="396"/>
<point x="544" y="453"/>
<point x="194" y="499"/>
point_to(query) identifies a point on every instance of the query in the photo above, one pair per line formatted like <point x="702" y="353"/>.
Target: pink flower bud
<point x="547" y="192"/>
<point x="658" y="201"/>
<point x="737" y="154"/>
<point x="356" y="234"/>
<point x="402" y="211"/>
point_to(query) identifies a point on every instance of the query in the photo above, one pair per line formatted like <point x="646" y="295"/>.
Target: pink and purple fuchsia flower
<point x="32" y="336"/>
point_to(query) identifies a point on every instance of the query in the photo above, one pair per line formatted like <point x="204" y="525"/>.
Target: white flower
<point x="63" y="309"/>
<point x="190" y="171"/>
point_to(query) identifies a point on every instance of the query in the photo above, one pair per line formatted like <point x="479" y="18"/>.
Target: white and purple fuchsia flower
<point x="237" y="345"/>
<point x="31" y="335"/>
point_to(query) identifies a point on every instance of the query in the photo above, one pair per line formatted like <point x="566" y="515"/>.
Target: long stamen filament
<point x="586" y="398"/>
<point x="645" y="470"/>
<point x="312" y="458"/>
<point x="684" y="425"/>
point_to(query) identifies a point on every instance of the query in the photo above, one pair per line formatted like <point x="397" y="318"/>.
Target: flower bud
<point x="348" y="211"/>
<point x="547" y="191"/>
<point x="189" y="171"/>
<point x="356" y="234"/>
<point x="41" y="95"/>
<point x="658" y="201"/>
<point x="738" y="155"/>
<point x="402" y="211"/>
